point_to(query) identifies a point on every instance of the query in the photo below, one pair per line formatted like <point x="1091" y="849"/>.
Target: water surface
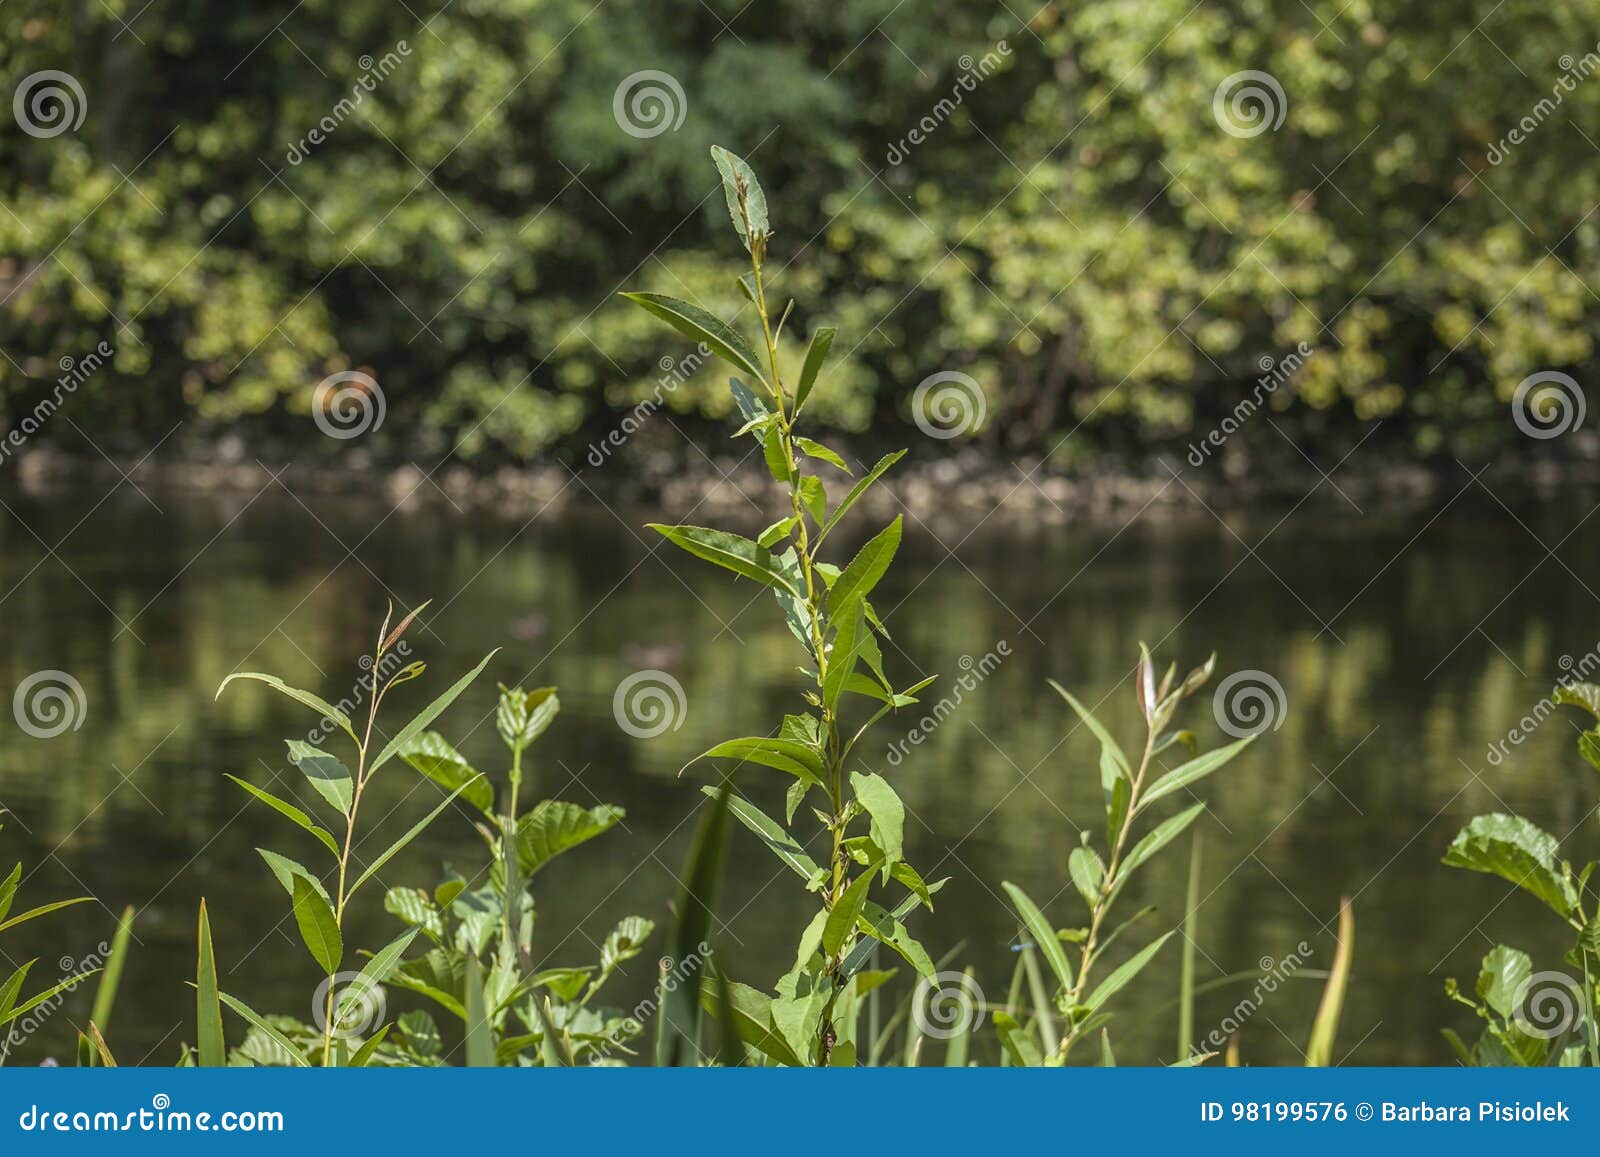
<point x="1405" y="644"/>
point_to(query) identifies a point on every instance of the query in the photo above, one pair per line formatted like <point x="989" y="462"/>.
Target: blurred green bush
<point x="1042" y="197"/>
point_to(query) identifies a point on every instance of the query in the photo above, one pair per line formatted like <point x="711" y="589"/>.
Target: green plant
<point x="1081" y="994"/>
<point x="480" y="966"/>
<point x="319" y="912"/>
<point x="1535" y="1018"/>
<point x="810" y="1018"/>
<point x="12" y="1003"/>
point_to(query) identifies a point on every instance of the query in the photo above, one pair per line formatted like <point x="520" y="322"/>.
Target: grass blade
<point x="208" y="1009"/>
<point x="1319" y="1053"/>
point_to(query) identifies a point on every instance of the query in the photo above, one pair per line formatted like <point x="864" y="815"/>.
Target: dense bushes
<point x="446" y="200"/>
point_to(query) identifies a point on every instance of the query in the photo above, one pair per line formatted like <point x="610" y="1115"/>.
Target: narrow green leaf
<point x="1319" y="1052"/>
<point x="858" y="490"/>
<point x="318" y="704"/>
<point x="729" y="551"/>
<point x="677" y="1028"/>
<point x="698" y="325"/>
<point x="842" y="916"/>
<point x="105" y="996"/>
<point x="888" y="813"/>
<point x="479" y="1035"/>
<point x="1124" y="973"/>
<point x="283" y="807"/>
<point x="1108" y="745"/>
<point x="1157" y="838"/>
<point x="816" y="354"/>
<point x="868" y="566"/>
<point x="1193" y="770"/>
<point x="393" y="849"/>
<point x="318" y="928"/>
<point x="822" y="453"/>
<point x="427" y="715"/>
<point x="291" y="1051"/>
<point x="325" y="773"/>
<point x="1087" y="872"/>
<point x="1043" y="933"/>
<point x="770" y="833"/>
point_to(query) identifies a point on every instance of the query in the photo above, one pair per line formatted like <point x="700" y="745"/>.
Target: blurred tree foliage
<point x="1076" y="231"/>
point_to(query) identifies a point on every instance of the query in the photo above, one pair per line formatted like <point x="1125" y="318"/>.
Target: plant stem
<point x="1108" y="888"/>
<point x="817" y="614"/>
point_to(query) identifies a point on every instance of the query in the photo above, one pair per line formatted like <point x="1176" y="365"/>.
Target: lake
<point x="1405" y="643"/>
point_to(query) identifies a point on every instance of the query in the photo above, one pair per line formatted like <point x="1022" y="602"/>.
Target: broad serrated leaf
<point x="1517" y="850"/>
<point x="555" y="826"/>
<point x="433" y="756"/>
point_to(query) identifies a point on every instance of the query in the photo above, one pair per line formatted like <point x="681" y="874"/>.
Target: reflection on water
<point x="1406" y="646"/>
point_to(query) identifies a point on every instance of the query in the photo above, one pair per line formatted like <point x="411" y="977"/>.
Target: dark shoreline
<point x="959" y="492"/>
